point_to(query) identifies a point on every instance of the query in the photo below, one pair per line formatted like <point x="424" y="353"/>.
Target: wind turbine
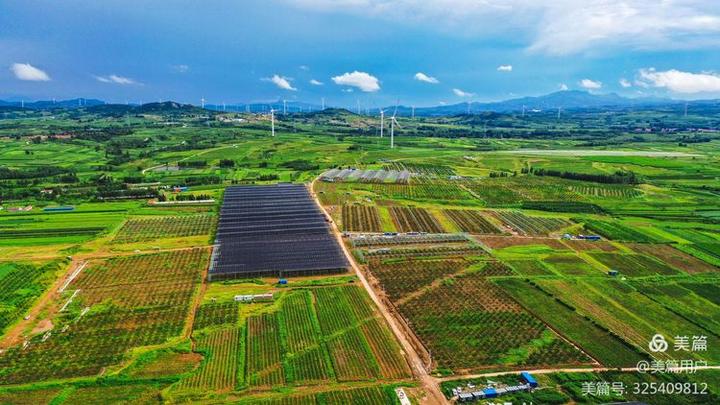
<point x="559" y="111"/>
<point x="323" y="102"/>
<point x="393" y="122"/>
<point x="202" y="102"/>
<point x="382" y="122"/>
<point x="284" y="107"/>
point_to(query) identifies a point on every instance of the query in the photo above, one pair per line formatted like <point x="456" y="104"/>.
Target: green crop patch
<point x="619" y="232"/>
<point x="471" y="324"/>
<point x="361" y="218"/>
<point x="20" y="285"/>
<point x="130" y="301"/>
<point x="633" y="265"/>
<point x="570" y="265"/>
<point x="143" y="229"/>
<point x="598" y="342"/>
<point x="472" y="221"/>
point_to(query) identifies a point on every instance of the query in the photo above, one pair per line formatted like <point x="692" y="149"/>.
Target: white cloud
<point x="558" y="27"/>
<point x="28" y="72"/>
<point x="422" y="77"/>
<point x="504" y="68"/>
<point x="590" y="84"/>
<point x="116" y="79"/>
<point x="461" y="93"/>
<point x="180" y="68"/>
<point x="563" y="87"/>
<point x="281" y="82"/>
<point x="316" y="82"/>
<point x="363" y="81"/>
<point x="680" y="82"/>
<point x="625" y="83"/>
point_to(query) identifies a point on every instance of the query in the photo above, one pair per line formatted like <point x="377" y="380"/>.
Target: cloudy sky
<point x="422" y="52"/>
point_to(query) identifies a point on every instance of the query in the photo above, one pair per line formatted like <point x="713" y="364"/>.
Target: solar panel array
<point x="275" y="230"/>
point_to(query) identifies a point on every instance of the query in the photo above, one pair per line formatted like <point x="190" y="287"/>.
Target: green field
<point x="488" y="274"/>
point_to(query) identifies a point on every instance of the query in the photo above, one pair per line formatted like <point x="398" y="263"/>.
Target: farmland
<point x="135" y="230"/>
<point x="472" y="221"/>
<point x="415" y="220"/>
<point x="467" y="257"/>
<point x="360" y="218"/>
<point x="112" y="300"/>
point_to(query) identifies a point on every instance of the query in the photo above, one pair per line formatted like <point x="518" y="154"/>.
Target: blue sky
<point x="367" y="50"/>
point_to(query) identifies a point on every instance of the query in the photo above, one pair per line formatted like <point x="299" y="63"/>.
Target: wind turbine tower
<point x="559" y="111"/>
<point x="202" y="102"/>
<point x="284" y="107"/>
<point x="272" y="120"/>
<point x="393" y="122"/>
<point x="523" y="113"/>
<point x="686" y="108"/>
<point x="323" y="102"/>
<point x="413" y="112"/>
<point x="382" y="122"/>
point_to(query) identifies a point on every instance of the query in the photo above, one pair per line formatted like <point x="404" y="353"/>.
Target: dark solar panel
<point x="275" y="230"/>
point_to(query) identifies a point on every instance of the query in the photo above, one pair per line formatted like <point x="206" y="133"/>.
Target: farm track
<point x="13" y="335"/>
<point x="429" y="383"/>
<point x="50" y="299"/>
<point x="559" y="370"/>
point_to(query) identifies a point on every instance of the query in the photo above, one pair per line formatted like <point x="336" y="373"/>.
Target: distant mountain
<point x="277" y="105"/>
<point x="163" y="108"/>
<point x="52" y="104"/>
<point x="567" y="100"/>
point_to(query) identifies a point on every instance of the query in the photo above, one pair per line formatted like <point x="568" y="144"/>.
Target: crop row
<point x="82" y="344"/>
<point x="51" y="232"/>
<point x="470" y="323"/>
<point x="20" y="285"/>
<point x="219" y="371"/>
<point x="331" y="333"/>
<point x="415" y="220"/>
<point x="386" y="240"/>
<point x="527" y="225"/>
<point x="424" y="169"/>
<point x="607" y="191"/>
<point x="633" y="264"/>
<point x="216" y="314"/>
<point x="400" y="278"/>
<point x="472" y="221"/>
<point x="360" y="218"/>
<point x="142" y="229"/>
<point x="447" y="250"/>
<point x="616" y="231"/>
<point x="423" y="190"/>
<point x="264" y="365"/>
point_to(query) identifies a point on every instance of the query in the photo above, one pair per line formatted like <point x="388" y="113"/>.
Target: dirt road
<point x="49" y="299"/>
<point x="429" y="383"/>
